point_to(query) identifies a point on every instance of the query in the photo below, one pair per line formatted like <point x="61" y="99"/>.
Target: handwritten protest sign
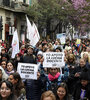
<point x="53" y="59"/>
<point x="27" y="71"/>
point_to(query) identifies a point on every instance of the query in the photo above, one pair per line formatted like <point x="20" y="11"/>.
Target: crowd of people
<point x="70" y="82"/>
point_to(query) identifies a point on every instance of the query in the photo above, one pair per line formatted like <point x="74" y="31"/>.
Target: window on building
<point x="24" y="1"/>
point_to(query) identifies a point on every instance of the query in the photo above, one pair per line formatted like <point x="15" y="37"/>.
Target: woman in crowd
<point x="54" y="79"/>
<point x="48" y="95"/>
<point x="16" y="80"/>
<point x="3" y="64"/>
<point x="78" y="70"/>
<point x="86" y="58"/>
<point x="10" y="67"/>
<point x="62" y="92"/>
<point x="70" y="65"/>
<point x="6" y="91"/>
<point x="39" y="56"/>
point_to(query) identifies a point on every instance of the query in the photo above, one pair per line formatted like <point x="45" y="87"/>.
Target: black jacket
<point x="77" y="91"/>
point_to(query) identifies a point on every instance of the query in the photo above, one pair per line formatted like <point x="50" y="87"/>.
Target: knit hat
<point x="40" y="53"/>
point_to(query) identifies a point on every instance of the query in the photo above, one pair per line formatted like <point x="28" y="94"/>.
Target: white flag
<point x="15" y="44"/>
<point x="32" y="33"/>
<point x="35" y="35"/>
<point x="29" y="29"/>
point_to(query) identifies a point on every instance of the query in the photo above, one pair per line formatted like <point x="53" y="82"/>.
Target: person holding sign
<point x="33" y="87"/>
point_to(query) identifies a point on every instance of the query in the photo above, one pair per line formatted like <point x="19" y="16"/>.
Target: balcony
<point x="13" y="5"/>
<point x="20" y="6"/>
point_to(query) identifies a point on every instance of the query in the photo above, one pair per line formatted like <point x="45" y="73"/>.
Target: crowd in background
<point x="72" y="82"/>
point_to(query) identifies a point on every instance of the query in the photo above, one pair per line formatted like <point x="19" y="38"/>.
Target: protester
<point x="39" y="56"/>
<point x="6" y="91"/>
<point x="57" y="43"/>
<point x="62" y="92"/>
<point x="18" y="85"/>
<point x="75" y="76"/>
<point x="3" y="64"/>
<point x="48" y="78"/>
<point x="82" y="90"/>
<point x="4" y="55"/>
<point x="29" y="57"/>
<point x="44" y="47"/>
<point x="70" y="66"/>
<point x="54" y="79"/>
<point x="33" y="87"/>
<point x="48" y="95"/>
<point x="22" y="50"/>
<point x="86" y="58"/>
<point x="58" y="49"/>
<point x="10" y="67"/>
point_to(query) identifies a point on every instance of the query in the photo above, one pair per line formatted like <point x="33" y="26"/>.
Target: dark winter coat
<point x="29" y="59"/>
<point x="77" y="91"/>
<point x="34" y="89"/>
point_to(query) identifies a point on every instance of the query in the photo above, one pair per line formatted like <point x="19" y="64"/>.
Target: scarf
<point x="51" y="78"/>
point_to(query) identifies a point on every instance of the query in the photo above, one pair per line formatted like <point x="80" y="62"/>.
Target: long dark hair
<point x="10" y="86"/>
<point x="19" y="85"/>
<point x="63" y="85"/>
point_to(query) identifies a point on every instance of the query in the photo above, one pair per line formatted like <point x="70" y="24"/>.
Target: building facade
<point x="12" y="16"/>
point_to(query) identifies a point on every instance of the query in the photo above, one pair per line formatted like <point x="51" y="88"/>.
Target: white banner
<point x="27" y="71"/>
<point x="53" y="59"/>
<point x="15" y="44"/>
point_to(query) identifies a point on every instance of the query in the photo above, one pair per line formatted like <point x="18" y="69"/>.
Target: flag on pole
<point x="29" y="29"/>
<point x="35" y="35"/>
<point x="15" y="44"/>
<point x="32" y="33"/>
